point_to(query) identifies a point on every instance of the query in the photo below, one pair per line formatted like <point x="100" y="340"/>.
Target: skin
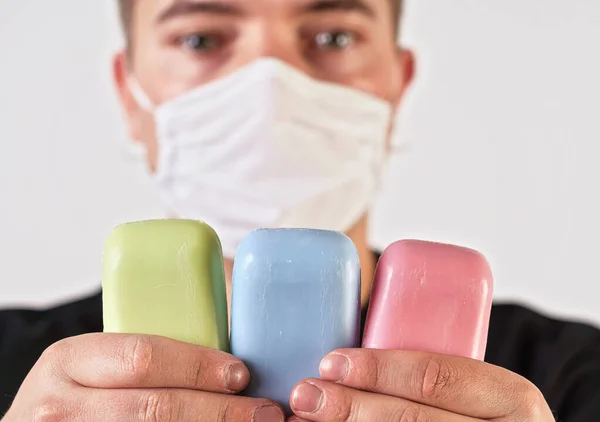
<point x="108" y="377"/>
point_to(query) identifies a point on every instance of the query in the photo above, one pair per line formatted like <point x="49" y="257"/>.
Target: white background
<point x="502" y="124"/>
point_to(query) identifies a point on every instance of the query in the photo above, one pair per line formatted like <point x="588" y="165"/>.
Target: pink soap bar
<point x="430" y="297"/>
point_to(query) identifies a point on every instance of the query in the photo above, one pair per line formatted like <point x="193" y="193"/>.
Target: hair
<point x="126" y="15"/>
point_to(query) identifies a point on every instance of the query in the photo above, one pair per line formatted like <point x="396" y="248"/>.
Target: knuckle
<point x="54" y="357"/>
<point x="533" y="404"/>
<point x="233" y="409"/>
<point x="224" y="413"/>
<point x="137" y="356"/>
<point x="412" y="413"/>
<point x="54" y="352"/>
<point x="198" y="372"/>
<point x="437" y="377"/>
<point x="159" y="406"/>
<point x="375" y="372"/>
<point x="349" y="411"/>
<point x="49" y="411"/>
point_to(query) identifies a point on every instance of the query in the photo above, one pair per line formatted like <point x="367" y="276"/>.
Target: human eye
<point x="335" y="49"/>
<point x="201" y="43"/>
<point x="336" y="40"/>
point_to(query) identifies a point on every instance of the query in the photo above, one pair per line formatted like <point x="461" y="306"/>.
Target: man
<point x="266" y="113"/>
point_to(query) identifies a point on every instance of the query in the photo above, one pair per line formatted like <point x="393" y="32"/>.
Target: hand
<point x="379" y="385"/>
<point x="113" y="377"/>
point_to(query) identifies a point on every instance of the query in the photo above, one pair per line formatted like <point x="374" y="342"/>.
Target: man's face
<point x="177" y="45"/>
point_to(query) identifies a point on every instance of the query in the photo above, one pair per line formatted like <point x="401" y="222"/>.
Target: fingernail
<point x="269" y="414"/>
<point x="334" y="368"/>
<point x="237" y="377"/>
<point x="307" y="398"/>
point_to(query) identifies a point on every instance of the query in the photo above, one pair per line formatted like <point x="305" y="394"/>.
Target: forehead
<point x="156" y="8"/>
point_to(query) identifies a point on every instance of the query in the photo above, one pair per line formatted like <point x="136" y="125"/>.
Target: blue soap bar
<point x="296" y="297"/>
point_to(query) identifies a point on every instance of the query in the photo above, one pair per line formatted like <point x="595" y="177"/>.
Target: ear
<point x="130" y="107"/>
<point x="406" y="68"/>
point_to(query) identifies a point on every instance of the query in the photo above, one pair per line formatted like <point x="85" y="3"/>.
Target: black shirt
<point x="562" y="358"/>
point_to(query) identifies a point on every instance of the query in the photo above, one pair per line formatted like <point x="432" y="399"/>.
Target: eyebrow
<point x="188" y="7"/>
<point x="341" y="5"/>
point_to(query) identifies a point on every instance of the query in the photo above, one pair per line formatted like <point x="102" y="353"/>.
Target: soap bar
<point x="166" y="278"/>
<point x="430" y="297"/>
<point x="296" y="297"/>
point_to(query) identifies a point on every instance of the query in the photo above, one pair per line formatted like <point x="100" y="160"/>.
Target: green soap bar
<point x="166" y="278"/>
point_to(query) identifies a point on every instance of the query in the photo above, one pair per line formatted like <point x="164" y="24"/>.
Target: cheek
<point x="165" y="75"/>
<point x="163" y="71"/>
<point x="378" y="79"/>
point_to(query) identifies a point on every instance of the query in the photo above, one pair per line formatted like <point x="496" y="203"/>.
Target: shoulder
<point x="79" y="314"/>
<point x="23" y="326"/>
<point x="519" y="331"/>
<point x="26" y="333"/>
<point x="561" y="357"/>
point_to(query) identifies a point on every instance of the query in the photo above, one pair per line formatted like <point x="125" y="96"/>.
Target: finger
<point x="135" y="405"/>
<point x="134" y="361"/>
<point x="187" y="405"/>
<point x="455" y="384"/>
<point x="320" y="401"/>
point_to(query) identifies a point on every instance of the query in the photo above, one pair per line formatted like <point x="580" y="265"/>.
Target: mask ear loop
<point x="139" y="95"/>
<point x="134" y="151"/>
<point x="395" y="148"/>
<point x="397" y="145"/>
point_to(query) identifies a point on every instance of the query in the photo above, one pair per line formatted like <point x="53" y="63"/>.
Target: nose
<point x="278" y="41"/>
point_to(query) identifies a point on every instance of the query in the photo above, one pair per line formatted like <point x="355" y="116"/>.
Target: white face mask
<point x="269" y="147"/>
